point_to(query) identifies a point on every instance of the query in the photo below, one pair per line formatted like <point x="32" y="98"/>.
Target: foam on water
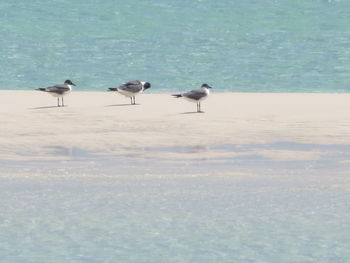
<point x="268" y="45"/>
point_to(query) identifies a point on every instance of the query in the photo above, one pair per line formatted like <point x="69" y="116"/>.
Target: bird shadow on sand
<point x="122" y="105"/>
<point x="46" y="107"/>
<point x="192" y="112"/>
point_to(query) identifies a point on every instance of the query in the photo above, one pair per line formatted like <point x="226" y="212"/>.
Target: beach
<point x="257" y="176"/>
<point x="159" y="126"/>
<point x="104" y="122"/>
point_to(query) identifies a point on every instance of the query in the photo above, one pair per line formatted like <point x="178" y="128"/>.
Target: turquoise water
<point x="253" y="46"/>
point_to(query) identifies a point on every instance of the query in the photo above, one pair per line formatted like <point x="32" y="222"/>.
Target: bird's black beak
<point x="73" y="84"/>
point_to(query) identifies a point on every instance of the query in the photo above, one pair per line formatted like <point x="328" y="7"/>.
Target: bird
<point x="59" y="90"/>
<point x="196" y="95"/>
<point x="131" y="89"/>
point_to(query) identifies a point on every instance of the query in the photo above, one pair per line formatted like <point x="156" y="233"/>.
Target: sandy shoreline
<point x="104" y="123"/>
<point x="210" y="175"/>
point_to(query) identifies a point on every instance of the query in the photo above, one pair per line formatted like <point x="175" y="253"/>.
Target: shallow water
<point x="234" y="45"/>
<point x="250" y="208"/>
<point x="218" y="218"/>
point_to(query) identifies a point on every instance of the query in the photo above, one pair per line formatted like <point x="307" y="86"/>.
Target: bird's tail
<point x="41" y="89"/>
<point x="112" y="89"/>
<point x="177" y="95"/>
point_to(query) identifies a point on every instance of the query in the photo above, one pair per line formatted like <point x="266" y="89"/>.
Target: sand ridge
<point x="105" y="123"/>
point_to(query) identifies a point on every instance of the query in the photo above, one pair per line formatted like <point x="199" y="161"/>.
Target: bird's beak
<point x="73" y="84"/>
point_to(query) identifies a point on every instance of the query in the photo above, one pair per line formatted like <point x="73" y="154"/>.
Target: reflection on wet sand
<point x="255" y="158"/>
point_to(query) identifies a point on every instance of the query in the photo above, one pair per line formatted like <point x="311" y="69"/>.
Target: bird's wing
<point x="195" y="94"/>
<point x="60" y="89"/>
<point x="134" y="82"/>
<point x="131" y="86"/>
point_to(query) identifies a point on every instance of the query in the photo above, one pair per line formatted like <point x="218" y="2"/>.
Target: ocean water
<point x="234" y="45"/>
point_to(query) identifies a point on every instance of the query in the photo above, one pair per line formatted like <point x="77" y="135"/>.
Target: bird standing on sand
<point x="196" y="95"/>
<point x="131" y="89"/>
<point x="59" y="90"/>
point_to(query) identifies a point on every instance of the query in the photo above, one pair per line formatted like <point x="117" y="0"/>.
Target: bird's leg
<point x="199" y="106"/>
<point x="62" y="102"/>
<point x="58" y="101"/>
<point x="134" y="100"/>
<point x="131" y="100"/>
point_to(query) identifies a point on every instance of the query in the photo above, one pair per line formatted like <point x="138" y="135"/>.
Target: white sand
<point x="105" y="123"/>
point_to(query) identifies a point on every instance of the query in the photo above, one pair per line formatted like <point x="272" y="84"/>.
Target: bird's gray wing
<point x="195" y="94"/>
<point x="59" y="89"/>
<point x="134" y="82"/>
<point x="132" y="86"/>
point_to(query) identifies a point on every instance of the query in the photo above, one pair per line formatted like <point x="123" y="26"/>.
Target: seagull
<point x="59" y="90"/>
<point x="131" y="89"/>
<point x="196" y="95"/>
